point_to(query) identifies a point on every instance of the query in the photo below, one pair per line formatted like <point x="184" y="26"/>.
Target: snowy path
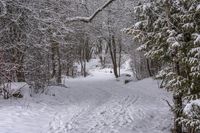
<point x="96" y="104"/>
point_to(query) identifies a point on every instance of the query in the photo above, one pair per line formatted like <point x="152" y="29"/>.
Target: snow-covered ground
<point x="96" y="104"/>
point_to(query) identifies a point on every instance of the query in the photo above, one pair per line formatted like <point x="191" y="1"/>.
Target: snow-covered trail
<point x="113" y="107"/>
<point x="96" y="104"/>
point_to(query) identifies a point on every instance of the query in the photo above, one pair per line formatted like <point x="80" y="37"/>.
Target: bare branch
<point x="89" y="19"/>
<point x="171" y="107"/>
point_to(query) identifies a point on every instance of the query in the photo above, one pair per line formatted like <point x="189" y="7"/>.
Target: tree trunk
<point x="18" y="59"/>
<point x="148" y="68"/>
<point x="178" y="104"/>
<point x="119" y="61"/>
<point x="112" y="49"/>
<point x="59" y="73"/>
<point x="20" y="74"/>
<point x="53" y="54"/>
<point x="178" y="112"/>
<point x="56" y="62"/>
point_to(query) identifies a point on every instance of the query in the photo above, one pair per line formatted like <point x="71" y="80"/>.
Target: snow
<point x="16" y="86"/>
<point x="96" y="104"/>
<point x="188" y="108"/>
<point x="175" y="44"/>
<point x="197" y="41"/>
<point x="188" y="25"/>
<point x="138" y="24"/>
<point x="198" y="7"/>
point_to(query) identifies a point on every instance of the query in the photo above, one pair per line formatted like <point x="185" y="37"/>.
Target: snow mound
<point x="189" y="107"/>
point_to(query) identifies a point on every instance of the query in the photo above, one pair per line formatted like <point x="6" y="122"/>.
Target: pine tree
<point x="169" y="32"/>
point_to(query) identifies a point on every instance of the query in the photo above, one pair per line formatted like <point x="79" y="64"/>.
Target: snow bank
<point x="189" y="107"/>
<point x="15" y="86"/>
<point x="19" y="89"/>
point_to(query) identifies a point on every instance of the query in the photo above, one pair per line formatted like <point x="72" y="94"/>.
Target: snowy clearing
<point x="96" y="104"/>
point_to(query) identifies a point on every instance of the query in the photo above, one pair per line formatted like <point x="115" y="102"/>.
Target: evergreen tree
<point x="169" y="32"/>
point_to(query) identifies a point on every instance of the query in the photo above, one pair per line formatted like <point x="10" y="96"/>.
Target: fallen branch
<point x="171" y="107"/>
<point x="89" y="19"/>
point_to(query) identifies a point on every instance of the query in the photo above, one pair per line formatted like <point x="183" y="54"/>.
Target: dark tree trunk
<point x="53" y="54"/>
<point x="18" y="59"/>
<point x="56" y="62"/>
<point x="178" y="104"/>
<point x="20" y="74"/>
<point x="112" y="49"/>
<point x="178" y="112"/>
<point x="148" y="68"/>
<point x="59" y="73"/>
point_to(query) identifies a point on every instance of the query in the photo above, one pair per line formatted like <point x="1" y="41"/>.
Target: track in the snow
<point x="98" y="104"/>
<point x="117" y="108"/>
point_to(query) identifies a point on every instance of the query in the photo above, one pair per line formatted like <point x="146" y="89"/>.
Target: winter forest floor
<point x="96" y="104"/>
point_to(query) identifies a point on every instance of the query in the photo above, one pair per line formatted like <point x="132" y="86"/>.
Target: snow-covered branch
<point x="90" y="18"/>
<point x="3" y="10"/>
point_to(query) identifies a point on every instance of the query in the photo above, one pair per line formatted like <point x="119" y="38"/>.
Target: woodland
<point x="42" y="42"/>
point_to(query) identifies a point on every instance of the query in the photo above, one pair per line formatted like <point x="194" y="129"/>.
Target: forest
<point x="99" y="66"/>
